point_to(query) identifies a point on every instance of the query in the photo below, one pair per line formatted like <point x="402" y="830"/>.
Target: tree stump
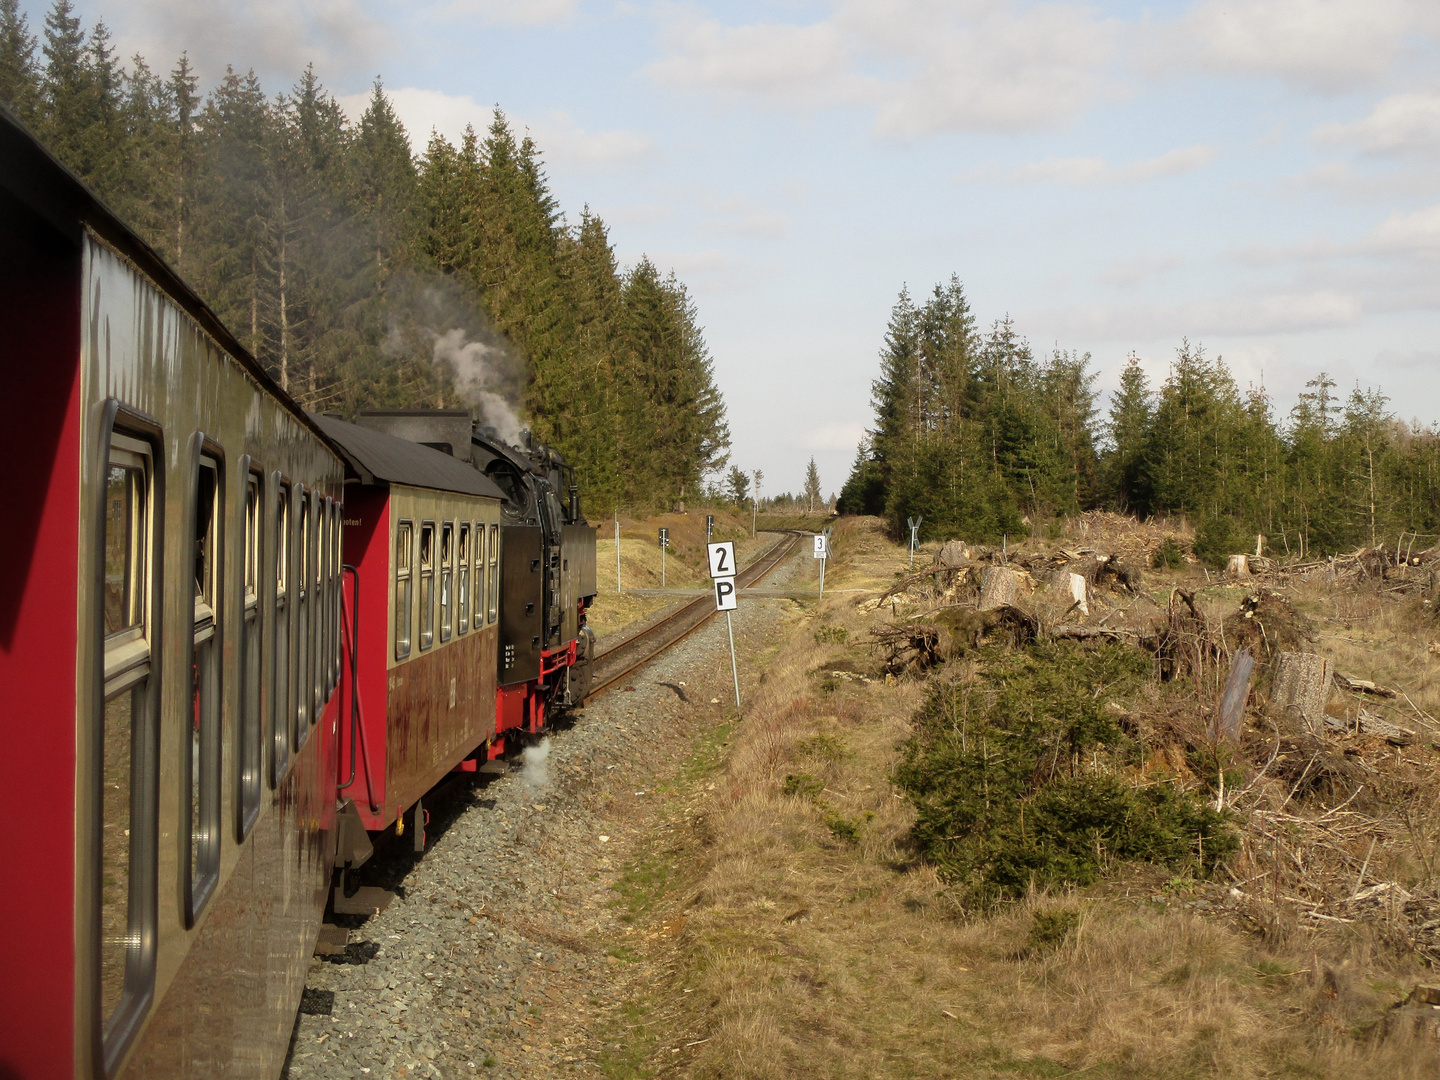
<point x="1079" y="598"/>
<point x="998" y="587"/>
<point x="1238" y="566"/>
<point x="1301" y="686"/>
<point x="953" y="554"/>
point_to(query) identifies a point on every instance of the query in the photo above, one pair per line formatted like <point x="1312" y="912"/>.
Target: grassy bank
<point x="805" y="933"/>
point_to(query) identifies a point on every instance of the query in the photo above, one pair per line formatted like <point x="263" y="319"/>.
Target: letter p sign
<point x="725" y="598"/>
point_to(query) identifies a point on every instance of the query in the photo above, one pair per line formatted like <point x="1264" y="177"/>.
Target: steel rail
<point x="678" y="625"/>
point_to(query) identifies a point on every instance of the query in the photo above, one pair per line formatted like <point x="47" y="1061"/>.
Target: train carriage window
<point x="300" y="647"/>
<point x="337" y="561"/>
<point x="404" y="544"/>
<point x="203" y="809"/>
<point x="447" y="577"/>
<point x="124" y="893"/>
<point x="494" y="602"/>
<point x="480" y="575"/>
<point x="279" y="648"/>
<point x="427" y="585"/>
<point x="319" y="605"/>
<point x="462" y="579"/>
<point x="249" y="742"/>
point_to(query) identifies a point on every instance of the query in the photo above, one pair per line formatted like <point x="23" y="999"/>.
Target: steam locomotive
<point x="236" y="639"/>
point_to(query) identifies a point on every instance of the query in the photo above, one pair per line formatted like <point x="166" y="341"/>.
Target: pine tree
<point x="19" y="74"/>
<point x="812" y="487"/>
<point x="1131" y="415"/>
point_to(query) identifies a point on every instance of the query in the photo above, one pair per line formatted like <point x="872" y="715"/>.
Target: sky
<point x="1259" y="176"/>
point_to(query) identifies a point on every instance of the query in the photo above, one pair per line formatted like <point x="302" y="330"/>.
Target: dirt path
<point x="510" y="951"/>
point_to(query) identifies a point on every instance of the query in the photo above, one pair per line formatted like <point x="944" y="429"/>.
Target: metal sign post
<point x="722" y="570"/>
<point x="822" y="543"/>
<point x="618" y="589"/>
<point x="914" y="524"/>
<point x="664" y="543"/>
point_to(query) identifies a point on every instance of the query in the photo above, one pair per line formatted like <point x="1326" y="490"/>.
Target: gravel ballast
<point x="504" y="951"/>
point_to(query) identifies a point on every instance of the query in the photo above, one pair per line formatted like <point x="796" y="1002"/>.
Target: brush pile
<point x="1331" y="783"/>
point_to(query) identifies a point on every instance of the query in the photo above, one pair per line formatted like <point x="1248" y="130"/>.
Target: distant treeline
<point x="362" y="277"/>
<point x="980" y="438"/>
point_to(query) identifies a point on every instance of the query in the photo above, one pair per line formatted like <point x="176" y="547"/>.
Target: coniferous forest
<point x="362" y="276"/>
<point x="981" y="438"/>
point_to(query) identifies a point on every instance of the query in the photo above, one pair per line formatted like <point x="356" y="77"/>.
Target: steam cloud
<point x="536" y="773"/>
<point x="480" y="371"/>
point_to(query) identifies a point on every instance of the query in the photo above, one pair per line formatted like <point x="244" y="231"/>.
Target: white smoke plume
<point x="536" y="773"/>
<point x="480" y="373"/>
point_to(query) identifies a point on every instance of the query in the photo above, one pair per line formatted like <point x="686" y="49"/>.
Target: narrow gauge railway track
<point x="614" y="664"/>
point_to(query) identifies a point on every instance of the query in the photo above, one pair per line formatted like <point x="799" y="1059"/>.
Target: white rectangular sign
<point x="725" y="598"/>
<point x="722" y="559"/>
<point x="819" y="546"/>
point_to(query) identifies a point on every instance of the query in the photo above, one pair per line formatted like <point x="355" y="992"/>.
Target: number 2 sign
<point x="722" y="559"/>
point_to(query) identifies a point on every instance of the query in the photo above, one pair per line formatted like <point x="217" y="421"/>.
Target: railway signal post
<point x="709" y="527"/>
<point x="822" y="545"/>
<point x="664" y="543"/>
<point x="722" y="572"/>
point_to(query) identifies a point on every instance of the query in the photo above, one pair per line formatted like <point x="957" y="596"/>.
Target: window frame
<point x="427" y="578"/>
<point x="278" y="648"/>
<point x="462" y="578"/>
<point x="492" y="604"/>
<point x="446" y="595"/>
<point x="200" y="857"/>
<point x="479" y="595"/>
<point x="404" y="533"/>
<point x="250" y="713"/>
<point x="301" y="620"/>
<point x="118" y="666"/>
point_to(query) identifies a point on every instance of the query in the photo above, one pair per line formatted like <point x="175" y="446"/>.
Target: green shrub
<point x="1169" y="555"/>
<point x="803" y="786"/>
<point x="831" y="635"/>
<point x="1217" y="539"/>
<point x="1018" y="778"/>
<point x="1050" y="929"/>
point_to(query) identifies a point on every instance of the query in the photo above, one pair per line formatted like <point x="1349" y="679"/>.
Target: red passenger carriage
<point x="169" y="650"/>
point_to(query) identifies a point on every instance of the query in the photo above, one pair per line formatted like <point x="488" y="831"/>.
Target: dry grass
<point x="807" y="940"/>
<point x="685" y="562"/>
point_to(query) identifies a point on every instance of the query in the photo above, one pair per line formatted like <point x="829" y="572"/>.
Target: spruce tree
<point x="812" y="487"/>
<point x="19" y="74"/>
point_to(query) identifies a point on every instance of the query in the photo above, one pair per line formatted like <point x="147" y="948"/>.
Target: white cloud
<point x="1092" y="171"/>
<point x="1400" y="237"/>
<point x="570" y="146"/>
<point x="1416" y="233"/>
<point x="834" y="436"/>
<point x="424" y="111"/>
<point x="1324" y="45"/>
<point x="275" y="37"/>
<point x="1340" y="179"/>
<point x="507" y="12"/>
<point x="1400" y="124"/>
<point x="1275" y="313"/>
<point x="561" y="140"/>
<point x="1131" y="272"/>
<point x="922" y="66"/>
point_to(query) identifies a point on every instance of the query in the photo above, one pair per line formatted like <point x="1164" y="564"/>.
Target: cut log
<point x="1078" y="593"/>
<point x="1226" y="724"/>
<point x="1364" y="686"/>
<point x="1238" y="566"/>
<point x="998" y="587"/>
<point x="1301" y="687"/>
